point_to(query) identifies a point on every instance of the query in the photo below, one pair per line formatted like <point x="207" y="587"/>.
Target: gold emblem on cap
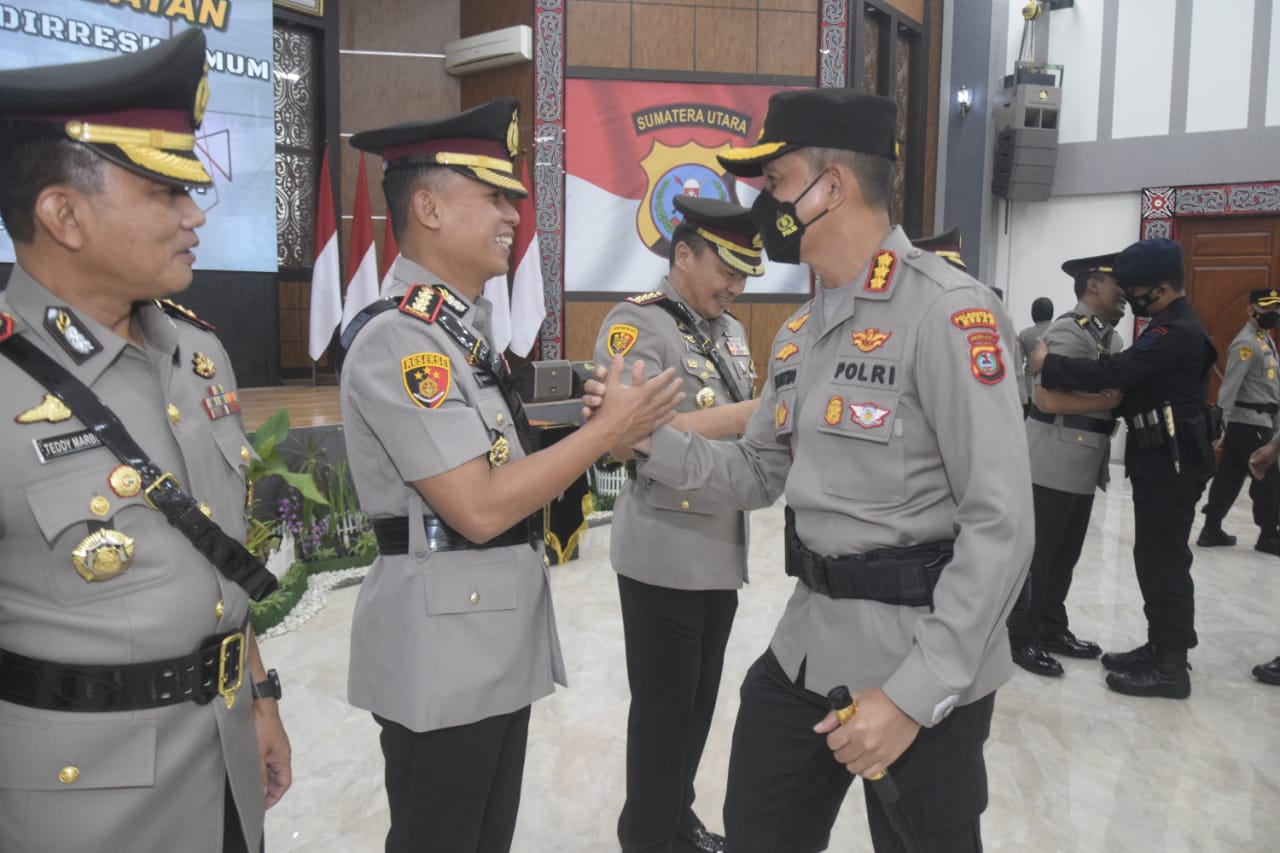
<point x="103" y="555"/>
<point x="203" y="365"/>
<point x="513" y="134"/>
<point x="51" y="409"/>
<point x="174" y="414"/>
<point x="99" y="506"/>
<point x="125" y="481"/>
<point x="500" y="452"/>
<point x="705" y="398"/>
<point x="202" y="97"/>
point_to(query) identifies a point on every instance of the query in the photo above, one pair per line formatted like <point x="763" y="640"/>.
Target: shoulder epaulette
<point x="423" y="302"/>
<point x="646" y="298"/>
<point x="367" y="313"/>
<point x="451" y="300"/>
<point x="880" y="276"/>
<point x="7" y="326"/>
<point x="181" y="312"/>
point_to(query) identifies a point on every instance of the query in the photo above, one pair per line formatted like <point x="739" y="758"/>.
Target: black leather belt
<point x="393" y="535"/>
<point x="216" y="668"/>
<point x="1079" y="422"/>
<point x="904" y="576"/>
<point x="1264" y="408"/>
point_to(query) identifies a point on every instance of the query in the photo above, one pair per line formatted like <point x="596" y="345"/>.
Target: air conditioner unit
<point x="489" y="50"/>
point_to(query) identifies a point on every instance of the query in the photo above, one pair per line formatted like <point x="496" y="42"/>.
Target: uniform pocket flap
<point x="863" y="417"/>
<point x="473" y="590"/>
<point x="659" y="496"/>
<point x="74" y="754"/>
<point x="75" y="496"/>
<point x="1083" y="438"/>
<point x="235" y="447"/>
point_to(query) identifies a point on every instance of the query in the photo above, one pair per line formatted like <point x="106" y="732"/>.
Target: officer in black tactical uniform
<point x="1168" y="455"/>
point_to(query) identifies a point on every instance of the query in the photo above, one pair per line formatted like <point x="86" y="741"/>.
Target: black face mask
<point x="780" y="228"/>
<point x="1141" y="305"/>
<point x="1267" y="320"/>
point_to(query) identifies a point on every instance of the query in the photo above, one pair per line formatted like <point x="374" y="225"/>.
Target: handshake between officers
<point x="891" y="421"/>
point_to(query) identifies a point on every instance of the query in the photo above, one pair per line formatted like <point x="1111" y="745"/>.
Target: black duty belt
<point x="1264" y="408"/>
<point x="161" y="490"/>
<point x="1079" y="422"/>
<point x="904" y="576"/>
<point x="393" y="535"/>
<point x="216" y="668"/>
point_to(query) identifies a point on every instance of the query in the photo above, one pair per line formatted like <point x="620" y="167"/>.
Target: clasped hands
<point x="630" y="413"/>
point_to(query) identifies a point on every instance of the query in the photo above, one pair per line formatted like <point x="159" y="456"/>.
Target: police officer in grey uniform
<point x="453" y="635"/>
<point x="1069" y="438"/>
<point x="1250" y="401"/>
<point x="680" y="557"/>
<point x="126" y="665"/>
<point x="1041" y="317"/>
<point x="890" y="420"/>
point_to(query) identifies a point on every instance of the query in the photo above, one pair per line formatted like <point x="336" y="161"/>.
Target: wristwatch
<point x="269" y="689"/>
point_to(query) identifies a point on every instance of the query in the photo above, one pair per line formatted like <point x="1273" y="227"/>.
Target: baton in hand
<point x="841" y="703"/>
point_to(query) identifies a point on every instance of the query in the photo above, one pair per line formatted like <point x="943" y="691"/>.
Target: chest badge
<point x="705" y="398"/>
<point x="868" y="415"/>
<point x="125" y="481"/>
<point x="786" y="351"/>
<point x="869" y="340"/>
<point x="835" y="410"/>
<point x="499" y="452"/>
<point x="51" y="410"/>
<point x="103" y="555"/>
<point x="427" y="377"/>
<point x="798" y="323"/>
<point x="203" y="366"/>
<point x="220" y="402"/>
<point x="780" y="413"/>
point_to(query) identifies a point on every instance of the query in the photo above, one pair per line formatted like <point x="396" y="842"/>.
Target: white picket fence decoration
<point x="609" y="482"/>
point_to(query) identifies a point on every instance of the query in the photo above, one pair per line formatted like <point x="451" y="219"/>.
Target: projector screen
<point x="236" y="143"/>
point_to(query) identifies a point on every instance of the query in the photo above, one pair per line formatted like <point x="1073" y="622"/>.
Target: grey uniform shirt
<point x="1027" y="340"/>
<point x="152" y="779"/>
<point x="1064" y="458"/>
<point x="1250" y="376"/>
<point x="660" y="535"/>
<point x="447" y="638"/>
<point x="897" y="423"/>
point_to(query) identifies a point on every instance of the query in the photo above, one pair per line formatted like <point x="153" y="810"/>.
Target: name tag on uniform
<point x="58" y="446"/>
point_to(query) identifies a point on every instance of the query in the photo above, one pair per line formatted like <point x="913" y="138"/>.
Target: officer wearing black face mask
<point x="1168" y="455"/>
<point x="1250" y="402"/>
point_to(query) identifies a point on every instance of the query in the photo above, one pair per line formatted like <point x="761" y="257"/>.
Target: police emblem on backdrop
<point x="622" y="338"/>
<point x="71" y="334"/>
<point x="427" y="377"/>
<point x="690" y="169"/>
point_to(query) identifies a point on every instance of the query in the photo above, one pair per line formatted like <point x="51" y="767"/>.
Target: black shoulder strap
<point x="160" y="490"/>
<point x="358" y="322"/>
<point x="683" y="316"/>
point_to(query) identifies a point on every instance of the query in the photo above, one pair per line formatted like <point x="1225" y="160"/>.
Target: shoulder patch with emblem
<point x="646" y="298"/>
<point x="621" y="338"/>
<point x="182" y="312"/>
<point x="984" y="357"/>
<point x="427" y="377"/>
<point x="422" y="302"/>
<point x="971" y="318"/>
<point x="880" y="276"/>
<point x="1246" y="353"/>
<point x="67" y="329"/>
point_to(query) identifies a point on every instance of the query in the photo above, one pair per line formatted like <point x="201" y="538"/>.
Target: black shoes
<point x="1268" y="673"/>
<point x="1268" y="545"/>
<point x="1034" y="659"/>
<point x="1130" y="661"/>
<point x="705" y="841"/>
<point x="1166" y="677"/>
<point x="1213" y="536"/>
<point x="1066" y="643"/>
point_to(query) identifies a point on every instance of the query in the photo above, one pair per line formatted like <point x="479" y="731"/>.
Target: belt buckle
<point x="146" y="494"/>
<point x="230" y="677"/>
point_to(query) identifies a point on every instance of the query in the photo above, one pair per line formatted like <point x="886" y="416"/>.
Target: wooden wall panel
<point x="787" y="43"/>
<point x="598" y="33"/>
<point x="726" y="41"/>
<point x="581" y="325"/>
<point x="663" y="37"/>
<point x="766" y="319"/>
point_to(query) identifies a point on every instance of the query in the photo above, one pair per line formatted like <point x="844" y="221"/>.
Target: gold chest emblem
<point x="103" y="555"/>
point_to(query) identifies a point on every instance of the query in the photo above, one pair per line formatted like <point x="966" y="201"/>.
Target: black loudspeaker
<point x="1027" y="144"/>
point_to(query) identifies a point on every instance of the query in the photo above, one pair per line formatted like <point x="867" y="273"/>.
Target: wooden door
<point x="1225" y="258"/>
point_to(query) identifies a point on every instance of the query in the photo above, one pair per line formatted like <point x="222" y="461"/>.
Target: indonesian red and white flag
<point x="528" y="299"/>
<point x="495" y="290"/>
<point x="326" y="275"/>
<point x="390" y="251"/>
<point x="362" y="259"/>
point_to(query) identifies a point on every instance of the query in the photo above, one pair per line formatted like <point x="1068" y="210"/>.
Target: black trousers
<point x="1233" y="469"/>
<point x="455" y="790"/>
<point x="1062" y="519"/>
<point x="232" y="833"/>
<point x="1163" y="512"/>
<point x="785" y="787"/>
<point x="675" y="643"/>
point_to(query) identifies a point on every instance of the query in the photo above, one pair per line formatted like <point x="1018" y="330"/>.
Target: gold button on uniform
<point x="174" y="414"/>
<point x="475" y="598"/>
<point x="244" y="453"/>
<point x="499" y="419"/>
<point x="218" y="609"/>
<point x="68" y="774"/>
<point x="206" y="509"/>
<point x="99" y="505"/>
<point x="684" y="504"/>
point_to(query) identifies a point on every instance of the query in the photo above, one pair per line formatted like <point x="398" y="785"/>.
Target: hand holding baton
<point x="843" y="705"/>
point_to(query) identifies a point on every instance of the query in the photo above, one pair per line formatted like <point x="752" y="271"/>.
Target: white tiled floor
<point x="1073" y="767"/>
